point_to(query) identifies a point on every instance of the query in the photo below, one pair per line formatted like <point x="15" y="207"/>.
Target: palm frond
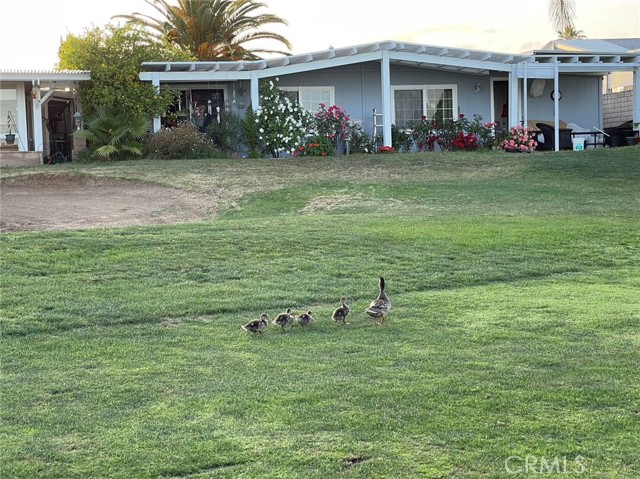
<point x="211" y="29"/>
<point x="561" y="13"/>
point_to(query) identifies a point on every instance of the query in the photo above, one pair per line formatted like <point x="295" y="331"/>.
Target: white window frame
<point x="299" y="89"/>
<point x="424" y="88"/>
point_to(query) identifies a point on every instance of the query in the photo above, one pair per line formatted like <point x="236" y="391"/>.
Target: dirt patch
<point x="63" y="201"/>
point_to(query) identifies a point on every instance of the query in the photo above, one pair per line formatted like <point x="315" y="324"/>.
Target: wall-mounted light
<point x="77" y="116"/>
<point x="477" y="87"/>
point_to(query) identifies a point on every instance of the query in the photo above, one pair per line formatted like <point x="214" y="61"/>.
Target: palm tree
<point x="570" y="33"/>
<point x="212" y="29"/>
<point x="561" y="13"/>
<point x="112" y="131"/>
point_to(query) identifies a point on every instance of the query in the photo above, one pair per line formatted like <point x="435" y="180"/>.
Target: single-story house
<point x="389" y="82"/>
<point x="39" y="110"/>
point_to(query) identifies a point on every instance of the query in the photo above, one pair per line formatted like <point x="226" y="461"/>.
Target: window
<point x="435" y="102"/>
<point x="408" y="107"/>
<point x="440" y="104"/>
<point x="310" y="97"/>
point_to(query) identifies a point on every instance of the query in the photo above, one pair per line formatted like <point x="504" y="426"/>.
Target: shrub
<point x="359" y="141"/>
<point x="519" y="139"/>
<point x="464" y="141"/>
<point x="181" y="142"/>
<point x="401" y="140"/>
<point x="459" y="134"/>
<point x="250" y="129"/>
<point x="228" y="135"/>
<point x="332" y="122"/>
<point x="281" y="122"/>
<point x="114" y="134"/>
<point x="319" y="145"/>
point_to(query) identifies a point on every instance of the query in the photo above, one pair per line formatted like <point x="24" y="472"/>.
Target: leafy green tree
<point x="212" y="29"/>
<point x="113" y="55"/>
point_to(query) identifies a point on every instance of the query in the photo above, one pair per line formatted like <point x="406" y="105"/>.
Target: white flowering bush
<point x="281" y="123"/>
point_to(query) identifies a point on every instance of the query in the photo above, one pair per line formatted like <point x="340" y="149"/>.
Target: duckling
<point x="341" y="313"/>
<point x="257" y="325"/>
<point x="380" y="307"/>
<point x="305" y="319"/>
<point x="284" y="320"/>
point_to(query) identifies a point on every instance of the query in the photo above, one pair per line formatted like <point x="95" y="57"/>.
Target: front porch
<point x="38" y="114"/>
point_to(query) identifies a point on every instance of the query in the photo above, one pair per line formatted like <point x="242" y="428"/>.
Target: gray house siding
<point x="581" y="101"/>
<point x="358" y="88"/>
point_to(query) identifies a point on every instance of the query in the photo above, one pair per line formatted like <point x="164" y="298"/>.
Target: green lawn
<point x="514" y="335"/>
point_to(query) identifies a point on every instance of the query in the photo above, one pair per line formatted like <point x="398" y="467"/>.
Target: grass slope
<point x="514" y="331"/>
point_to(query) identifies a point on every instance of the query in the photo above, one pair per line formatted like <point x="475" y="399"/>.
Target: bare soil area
<point x="64" y="201"/>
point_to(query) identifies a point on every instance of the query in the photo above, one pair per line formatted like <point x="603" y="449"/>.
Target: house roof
<point x="446" y="58"/>
<point x="590" y="57"/>
<point x="613" y="45"/>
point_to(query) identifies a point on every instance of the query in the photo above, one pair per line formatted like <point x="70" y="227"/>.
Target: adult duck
<point x="380" y="307"/>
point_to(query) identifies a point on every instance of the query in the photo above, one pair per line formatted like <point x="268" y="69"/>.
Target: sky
<point x="31" y="36"/>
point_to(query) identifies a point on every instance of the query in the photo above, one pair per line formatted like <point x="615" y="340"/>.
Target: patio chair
<point x="549" y="137"/>
<point x="618" y="134"/>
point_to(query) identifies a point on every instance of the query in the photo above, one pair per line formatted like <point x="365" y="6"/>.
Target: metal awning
<point x="56" y="79"/>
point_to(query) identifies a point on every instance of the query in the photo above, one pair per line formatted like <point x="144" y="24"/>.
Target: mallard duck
<point x="341" y="313"/>
<point x="305" y="319"/>
<point x="380" y="307"/>
<point x="284" y="319"/>
<point x="257" y="325"/>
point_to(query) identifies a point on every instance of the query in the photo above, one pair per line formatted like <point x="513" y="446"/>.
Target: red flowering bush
<point x="463" y="141"/>
<point x="386" y="149"/>
<point x="317" y="146"/>
<point x="459" y="134"/>
<point x="332" y="122"/>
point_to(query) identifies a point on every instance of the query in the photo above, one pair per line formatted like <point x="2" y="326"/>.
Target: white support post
<point x="513" y="96"/>
<point x="525" y="97"/>
<point x="386" y="98"/>
<point x="255" y="91"/>
<point x="155" y="81"/>
<point x="556" y="104"/>
<point x="38" y="140"/>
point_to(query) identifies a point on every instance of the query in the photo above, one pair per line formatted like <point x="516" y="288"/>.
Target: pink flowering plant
<point x="332" y="122"/>
<point x="519" y="140"/>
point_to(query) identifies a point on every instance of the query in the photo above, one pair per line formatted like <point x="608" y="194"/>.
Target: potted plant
<point x="9" y="138"/>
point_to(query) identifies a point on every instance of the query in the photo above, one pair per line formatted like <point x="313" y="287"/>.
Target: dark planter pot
<point x="10" y="138"/>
